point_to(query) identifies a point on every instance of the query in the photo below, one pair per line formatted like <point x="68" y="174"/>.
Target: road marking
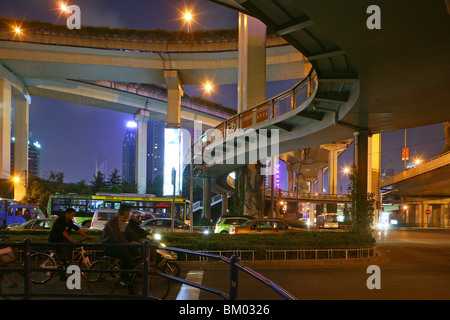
<point x="188" y="292"/>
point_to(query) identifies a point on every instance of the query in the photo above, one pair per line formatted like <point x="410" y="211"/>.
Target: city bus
<point x="85" y="205"/>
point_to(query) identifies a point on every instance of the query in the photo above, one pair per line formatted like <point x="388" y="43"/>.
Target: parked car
<point x="225" y="222"/>
<point x="164" y="225"/>
<point x="34" y="224"/>
<point x="264" y="226"/>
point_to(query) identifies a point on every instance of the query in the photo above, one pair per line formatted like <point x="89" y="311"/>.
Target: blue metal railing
<point x="235" y="266"/>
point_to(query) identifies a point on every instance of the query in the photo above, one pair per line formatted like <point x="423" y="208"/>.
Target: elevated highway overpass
<point x="108" y="72"/>
<point x="365" y="81"/>
<point x="422" y="194"/>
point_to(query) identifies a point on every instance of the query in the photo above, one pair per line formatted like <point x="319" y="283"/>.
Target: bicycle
<point x="50" y="263"/>
<point x="9" y="279"/>
<point x="107" y="279"/>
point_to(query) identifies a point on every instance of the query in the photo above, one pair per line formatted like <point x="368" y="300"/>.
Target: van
<point x="101" y="217"/>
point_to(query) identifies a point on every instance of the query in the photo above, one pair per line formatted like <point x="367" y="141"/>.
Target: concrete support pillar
<point x="5" y="129"/>
<point x="21" y="133"/>
<point x="174" y="94"/>
<point x="333" y="153"/>
<point x="141" y="117"/>
<point x="252" y="62"/>
<point x="374" y="167"/>
<point x="224" y="203"/>
<point x="290" y="178"/>
<point x="361" y="157"/>
<point x="320" y="180"/>
<point x="251" y="91"/>
<point x="332" y="171"/>
<point x="206" y="198"/>
<point x="311" y="214"/>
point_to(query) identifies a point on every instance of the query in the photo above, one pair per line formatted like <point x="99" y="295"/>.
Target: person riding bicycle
<point x="117" y="231"/>
<point x="60" y="233"/>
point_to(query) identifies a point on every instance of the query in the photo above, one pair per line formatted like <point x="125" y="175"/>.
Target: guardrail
<point x="312" y="196"/>
<point x="270" y="109"/>
<point x="235" y="266"/>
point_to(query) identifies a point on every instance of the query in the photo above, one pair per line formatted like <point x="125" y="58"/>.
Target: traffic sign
<point x="427" y="211"/>
<point x="405" y="153"/>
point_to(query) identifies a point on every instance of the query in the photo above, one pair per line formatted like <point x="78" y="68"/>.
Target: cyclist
<point x="60" y="233"/>
<point x="117" y="231"/>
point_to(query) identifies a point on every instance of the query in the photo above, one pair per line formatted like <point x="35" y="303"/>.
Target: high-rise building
<point x="129" y="152"/>
<point x="155" y="149"/>
<point x="34" y="157"/>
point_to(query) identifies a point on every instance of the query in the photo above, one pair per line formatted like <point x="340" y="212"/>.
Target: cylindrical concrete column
<point x="141" y="117"/>
<point x="21" y="133"/>
<point x="252" y="62"/>
<point x="5" y="129"/>
<point x="206" y="198"/>
<point x="174" y="94"/>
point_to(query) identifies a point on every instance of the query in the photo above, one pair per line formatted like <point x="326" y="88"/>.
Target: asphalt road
<point x="414" y="265"/>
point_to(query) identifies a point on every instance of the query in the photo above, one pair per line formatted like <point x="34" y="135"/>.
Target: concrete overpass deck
<point x="429" y="179"/>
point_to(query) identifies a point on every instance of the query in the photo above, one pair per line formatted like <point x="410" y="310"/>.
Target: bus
<point x="85" y="205"/>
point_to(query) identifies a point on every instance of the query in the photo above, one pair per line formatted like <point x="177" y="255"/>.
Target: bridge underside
<point x="430" y="184"/>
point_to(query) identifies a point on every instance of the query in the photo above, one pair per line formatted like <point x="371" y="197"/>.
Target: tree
<point x="363" y="207"/>
<point x="114" y="179"/>
<point x="38" y="194"/>
<point x="99" y="183"/>
<point x="156" y="186"/>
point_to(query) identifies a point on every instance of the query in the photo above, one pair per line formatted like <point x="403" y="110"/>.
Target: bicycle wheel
<point x="102" y="282"/>
<point x="9" y="285"/>
<point x="85" y="263"/>
<point x="158" y="286"/>
<point x="171" y="268"/>
<point x="47" y="264"/>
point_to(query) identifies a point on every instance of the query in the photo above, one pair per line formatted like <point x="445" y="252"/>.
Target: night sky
<point x="72" y="135"/>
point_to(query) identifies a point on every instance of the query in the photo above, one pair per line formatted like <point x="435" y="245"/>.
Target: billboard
<point x="173" y="158"/>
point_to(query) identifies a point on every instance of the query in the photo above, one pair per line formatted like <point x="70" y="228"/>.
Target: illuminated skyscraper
<point x="34" y="157"/>
<point x="129" y="152"/>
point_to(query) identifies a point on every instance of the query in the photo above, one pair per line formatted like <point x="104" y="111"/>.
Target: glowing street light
<point x="208" y="87"/>
<point x="418" y="161"/>
<point x="16" y="179"/>
<point x="18" y="31"/>
<point x="188" y="17"/>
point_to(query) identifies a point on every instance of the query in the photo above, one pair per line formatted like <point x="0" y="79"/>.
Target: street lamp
<point x="345" y="171"/>
<point x="63" y="7"/>
<point x="208" y="87"/>
<point x="188" y="17"/>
